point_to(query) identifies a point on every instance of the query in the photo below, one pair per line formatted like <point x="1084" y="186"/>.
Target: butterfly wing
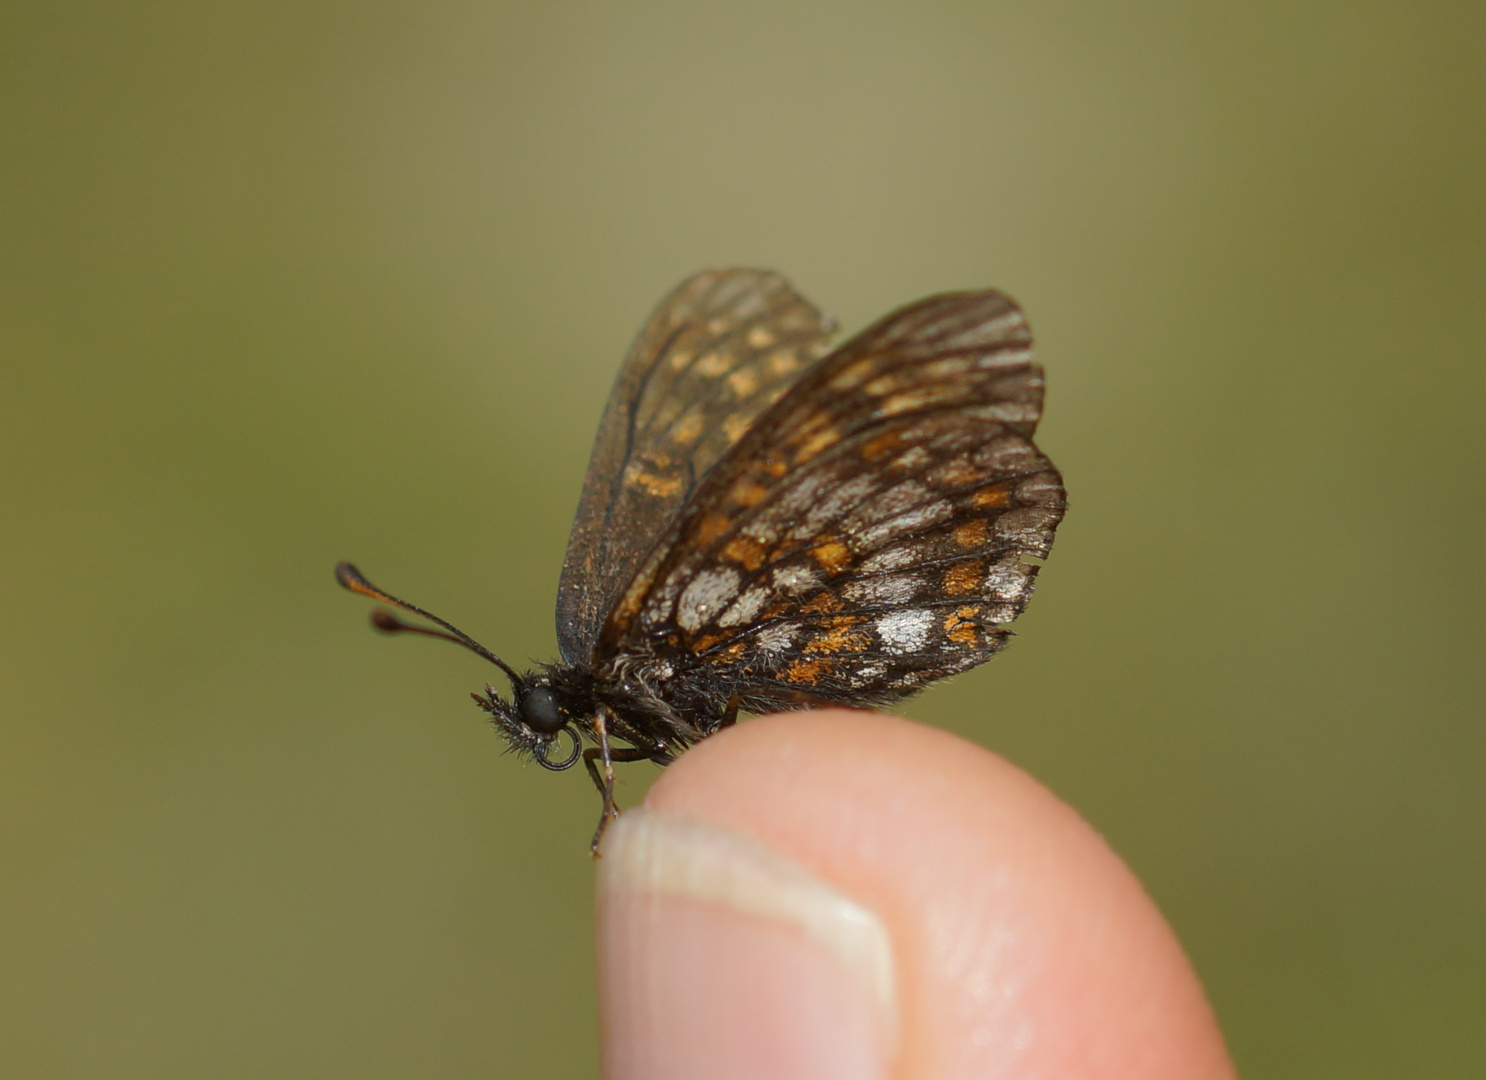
<point x="871" y="533"/>
<point x="716" y="353"/>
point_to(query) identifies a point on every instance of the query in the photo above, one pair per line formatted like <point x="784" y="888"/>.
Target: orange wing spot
<point x="783" y="361"/>
<point x="990" y="498"/>
<point x="885" y="384"/>
<point x="971" y="534"/>
<point x="712" y="526"/>
<point x="841" y="639"/>
<point x="832" y="554"/>
<point x="629" y="606"/>
<point x="660" y="486"/>
<point x="963" y="578"/>
<point x="959" y="629"/>
<point x="714" y="364"/>
<point x="884" y="444"/>
<point x="806" y="671"/>
<point x="761" y="337"/>
<point x="745" y="550"/>
<point x="823" y="439"/>
<point x="851" y="376"/>
<point x="733" y="651"/>
<point x="743" y="382"/>
<point x="910" y="400"/>
<point x="702" y="644"/>
<point x="776" y="468"/>
<point x="735" y="427"/>
<point x="688" y="429"/>
<point x="956" y="472"/>
<point x="748" y="492"/>
<point x="821" y="603"/>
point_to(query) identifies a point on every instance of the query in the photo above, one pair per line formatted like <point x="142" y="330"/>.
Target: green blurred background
<point x="289" y="283"/>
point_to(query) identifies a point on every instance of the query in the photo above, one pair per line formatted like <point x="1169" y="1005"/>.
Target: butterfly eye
<point x="540" y="712"/>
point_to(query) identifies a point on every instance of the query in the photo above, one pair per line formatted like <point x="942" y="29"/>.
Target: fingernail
<point x="721" y="958"/>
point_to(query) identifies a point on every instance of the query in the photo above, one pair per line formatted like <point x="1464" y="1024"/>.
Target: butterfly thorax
<point x="559" y="698"/>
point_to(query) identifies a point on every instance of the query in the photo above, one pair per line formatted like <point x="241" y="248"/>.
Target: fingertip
<point x="1021" y="945"/>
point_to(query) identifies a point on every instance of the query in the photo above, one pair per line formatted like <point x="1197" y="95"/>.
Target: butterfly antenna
<point x="350" y="578"/>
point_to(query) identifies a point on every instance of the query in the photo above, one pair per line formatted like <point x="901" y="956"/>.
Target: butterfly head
<point x="534" y="721"/>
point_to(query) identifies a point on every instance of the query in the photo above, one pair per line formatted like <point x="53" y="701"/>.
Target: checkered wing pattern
<point x="717" y="352"/>
<point x="871" y="533"/>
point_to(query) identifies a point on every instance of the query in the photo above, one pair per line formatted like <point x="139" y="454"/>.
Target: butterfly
<point x="770" y="524"/>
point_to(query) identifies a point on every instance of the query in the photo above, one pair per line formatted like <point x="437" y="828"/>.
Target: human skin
<point x="844" y="895"/>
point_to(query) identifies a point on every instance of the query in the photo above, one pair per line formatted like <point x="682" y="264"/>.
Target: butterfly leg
<point x="599" y="761"/>
<point x="603" y="779"/>
<point x="618" y="753"/>
<point x="730" y="717"/>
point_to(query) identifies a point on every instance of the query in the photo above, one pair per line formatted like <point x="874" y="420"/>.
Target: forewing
<point x="716" y="353"/>
<point x="873" y="531"/>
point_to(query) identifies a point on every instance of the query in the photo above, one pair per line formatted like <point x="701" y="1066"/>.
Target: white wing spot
<point x="744" y="608"/>
<point x="1009" y="581"/>
<point x="894" y="558"/>
<point x="1030" y="527"/>
<point x="778" y="638"/>
<point x="903" y="525"/>
<point x="706" y="594"/>
<point x="903" y="497"/>
<point x="897" y="589"/>
<point x="905" y="631"/>
<point x="795" y="579"/>
<point x="791" y="506"/>
<point x="1039" y="490"/>
<point x="1004" y="358"/>
<point x="836" y="503"/>
<point x="914" y="458"/>
<point x="1008" y="454"/>
<point x="948" y="368"/>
